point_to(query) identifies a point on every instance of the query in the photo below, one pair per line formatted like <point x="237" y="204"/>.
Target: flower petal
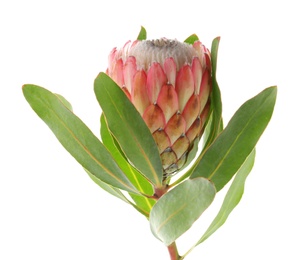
<point x="181" y="146"/>
<point x="204" y="116"/>
<point x="154" y="118"/>
<point x="139" y="94"/>
<point x="184" y="85"/>
<point x="129" y="71"/>
<point x="175" y="127"/>
<point x="198" y="46"/>
<point x="168" y="101"/>
<point x="197" y="72"/>
<point x="162" y="140"/>
<point x="205" y="88"/>
<point x="191" y="110"/>
<point x="194" y="130"/>
<point x="117" y="73"/>
<point x="207" y="60"/>
<point x="156" y="78"/>
<point x="170" y="70"/>
<point x="111" y="59"/>
<point x="180" y="162"/>
<point x="168" y="158"/>
<point x="124" y="52"/>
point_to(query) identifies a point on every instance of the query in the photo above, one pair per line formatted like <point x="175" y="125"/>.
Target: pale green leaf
<point x="176" y="211"/>
<point x="140" y="182"/>
<point x="76" y="137"/>
<point x="129" y="129"/>
<point x="231" y="199"/>
<point x="231" y="148"/>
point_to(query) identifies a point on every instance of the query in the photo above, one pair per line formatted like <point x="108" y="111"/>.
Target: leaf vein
<point x="148" y="161"/>
<point x="235" y="141"/>
<point x="82" y="145"/>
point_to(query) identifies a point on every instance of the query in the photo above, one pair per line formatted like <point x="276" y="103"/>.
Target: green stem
<point x="173" y="252"/>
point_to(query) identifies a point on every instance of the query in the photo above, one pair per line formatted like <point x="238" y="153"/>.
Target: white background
<point x="50" y="209"/>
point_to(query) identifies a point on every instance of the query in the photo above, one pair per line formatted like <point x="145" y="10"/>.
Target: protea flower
<point x="169" y="83"/>
<point x="174" y="88"/>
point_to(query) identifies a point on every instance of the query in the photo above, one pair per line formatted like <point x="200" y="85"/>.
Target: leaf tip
<point x="27" y="89"/>
<point x="142" y="34"/>
<point x="192" y="39"/>
<point x="275" y="88"/>
<point x="24" y="87"/>
<point x="272" y="90"/>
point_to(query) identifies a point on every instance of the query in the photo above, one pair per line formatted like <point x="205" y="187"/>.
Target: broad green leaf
<point x="129" y="129"/>
<point x="142" y="204"/>
<point x="64" y="101"/>
<point x="112" y="190"/>
<point x="142" y="34"/>
<point x="112" y="145"/>
<point x="140" y="182"/>
<point x="231" y="199"/>
<point x="191" y="39"/>
<point x="176" y="211"/>
<point x="115" y="192"/>
<point x="231" y="148"/>
<point x="76" y="137"/>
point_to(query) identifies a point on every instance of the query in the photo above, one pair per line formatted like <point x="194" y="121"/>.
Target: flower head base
<point x="169" y="83"/>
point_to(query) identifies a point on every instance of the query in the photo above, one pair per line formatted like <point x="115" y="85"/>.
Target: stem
<point x="158" y="192"/>
<point x="173" y="252"/>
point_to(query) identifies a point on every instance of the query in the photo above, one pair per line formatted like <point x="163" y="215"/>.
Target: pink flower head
<point x="169" y="83"/>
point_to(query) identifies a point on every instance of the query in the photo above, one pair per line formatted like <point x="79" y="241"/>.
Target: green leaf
<point x="231" y="199"/>
<point x="108" y="188"/>
<point x="129" y="129"/>
<point x="176" y="211"/>
<point x="112" y="145"/>
<point x="214" y="55"/>
<point x="191" y="39"/>
<point x="115" y="192"/>
<point x="228" y="152"/>
<point x="112" y="190"/>
<point x="133" y="175"/>
<point x="142" y="34"/>
<point x="76" y="137"/>
<point x="216" y="125"/>
<point x="64" y="101"/>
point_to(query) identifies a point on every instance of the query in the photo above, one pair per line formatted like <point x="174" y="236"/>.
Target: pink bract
<point x="169" y="83"/>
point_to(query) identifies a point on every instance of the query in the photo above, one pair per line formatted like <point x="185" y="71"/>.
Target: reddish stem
<point x="158" y="192"/>
<point x="172" y="249"/>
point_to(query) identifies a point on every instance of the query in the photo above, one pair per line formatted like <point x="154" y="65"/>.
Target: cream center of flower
<point x="149" y="51"/>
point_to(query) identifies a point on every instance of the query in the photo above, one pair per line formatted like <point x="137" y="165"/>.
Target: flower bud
<point x="169" y="83"/>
